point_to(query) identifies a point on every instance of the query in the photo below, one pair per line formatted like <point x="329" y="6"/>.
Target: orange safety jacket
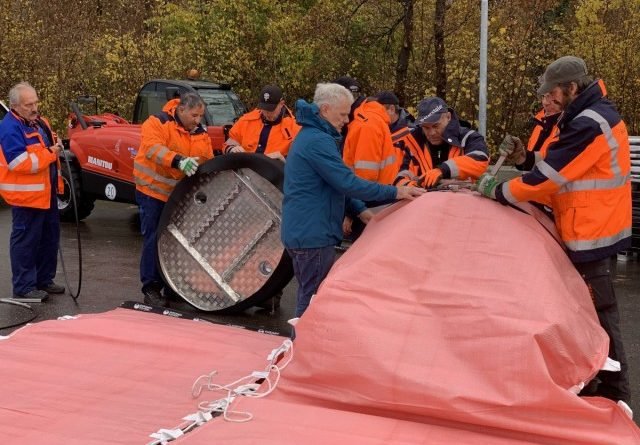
<point x="164" y="138"/>
<point x="586" y="173"/>
<point x="246" y="131"/>
<point x="544" y="132"/>
<point x="468" y="155"/>
<point x="25" y="160"/>
<point x="368" y="149"/>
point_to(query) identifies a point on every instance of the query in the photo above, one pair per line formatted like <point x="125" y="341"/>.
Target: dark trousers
<point x="613" y="385"/>
<point x="310" y="266"/>
<point x="35" y="236"/>
<point x="150" y="211"/>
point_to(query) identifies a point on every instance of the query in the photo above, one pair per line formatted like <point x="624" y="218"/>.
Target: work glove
<point x="431" y="178"/>
<point x="486" y="185"/>
<point x="513" y="149"/>
<point x="188" y="166"/>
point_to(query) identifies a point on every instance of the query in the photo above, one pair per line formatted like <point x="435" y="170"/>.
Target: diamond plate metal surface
<point x="222" y="242"/>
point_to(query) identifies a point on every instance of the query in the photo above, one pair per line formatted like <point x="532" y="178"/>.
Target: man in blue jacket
<point x="315" y="187"/>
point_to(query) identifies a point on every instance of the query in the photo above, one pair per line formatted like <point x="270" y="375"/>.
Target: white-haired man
<point x="316" y="185"/>
<point x="29" y="179"/>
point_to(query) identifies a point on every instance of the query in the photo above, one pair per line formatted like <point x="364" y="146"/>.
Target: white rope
<point x="246" y="386"/>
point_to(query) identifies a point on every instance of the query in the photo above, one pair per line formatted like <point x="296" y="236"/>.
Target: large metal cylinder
<point x="219" y="242"/>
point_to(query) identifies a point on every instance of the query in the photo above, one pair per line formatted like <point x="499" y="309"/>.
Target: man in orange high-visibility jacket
<point x="440" y="147"/>
<point x="544" y="132"/>
<point x="398" y="116"/>
<point x="585" y="173"/>
<point x="269" y="129"/>
<point x="173" y="144"/>
<point x="29" y="180"/>
<point x="368" y="149"/>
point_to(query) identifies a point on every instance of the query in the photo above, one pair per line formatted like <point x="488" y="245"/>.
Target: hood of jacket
<point x="372" y="107"/>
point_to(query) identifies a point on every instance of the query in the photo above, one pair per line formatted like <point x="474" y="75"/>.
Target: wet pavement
<point x="111" y="244"/>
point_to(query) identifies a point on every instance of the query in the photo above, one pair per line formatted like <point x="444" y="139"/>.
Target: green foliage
<point x="110" y="49"/>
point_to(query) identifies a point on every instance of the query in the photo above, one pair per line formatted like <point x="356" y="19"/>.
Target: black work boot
<point x="52" y="288"/>
<point x="153" y="297"/>
<point x="35" y="294"/>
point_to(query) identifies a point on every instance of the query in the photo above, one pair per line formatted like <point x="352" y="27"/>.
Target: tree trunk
<point x="438" y="42"/>
<point x="402" y="67"/>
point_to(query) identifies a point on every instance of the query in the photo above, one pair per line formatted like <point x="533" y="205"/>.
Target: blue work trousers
<point x="35" y="236"/>
<point x="310" y="266"/>
<point x="150" y="211"/>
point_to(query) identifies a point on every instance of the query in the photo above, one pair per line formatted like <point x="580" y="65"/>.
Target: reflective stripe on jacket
<point x="586" y="174"/>
<point x="246" y="131"/>
<point x="544" y="132"/>
<point x="25" y="161"/>
<point x="368" y="149"/>
<point x="468" y="156"/>
<point x="163" y="138"/>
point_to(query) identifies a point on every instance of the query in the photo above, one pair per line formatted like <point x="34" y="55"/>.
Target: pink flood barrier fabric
<point x="114" y="378"/>
<point x="453" y="320"/>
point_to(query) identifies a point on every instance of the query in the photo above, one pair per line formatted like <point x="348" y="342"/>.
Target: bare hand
<point x="57" y="147"/>
<point x="410" y="193"/>
<point x="346" y="226"/>
<point x="276" y="155"/>
<point x="366" y="216"/>
<point x="236" y="149"/>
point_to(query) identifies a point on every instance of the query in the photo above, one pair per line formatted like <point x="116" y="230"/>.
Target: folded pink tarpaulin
<point x="115" y="378"/>
<point x="456" y="307"/>
<point x="452" y="320"/>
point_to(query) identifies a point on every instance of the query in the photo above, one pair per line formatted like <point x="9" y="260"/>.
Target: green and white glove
<point x="486" y="185"/>
<point x="188" y="166"/>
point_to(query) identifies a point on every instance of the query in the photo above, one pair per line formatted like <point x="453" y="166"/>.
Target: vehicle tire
<point x="65" y="203"/>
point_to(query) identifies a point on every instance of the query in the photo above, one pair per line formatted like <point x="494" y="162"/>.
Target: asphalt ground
<point x="111" y="244"/>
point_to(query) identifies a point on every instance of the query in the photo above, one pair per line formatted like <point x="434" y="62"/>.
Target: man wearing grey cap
<point x="439" y="147"/>
<point x="585" y="175"/>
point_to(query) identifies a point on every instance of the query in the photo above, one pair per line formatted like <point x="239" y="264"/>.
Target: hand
<point x="57" y="147"/>
<point x="236" y="149"/>
<point x="486" y="185"/>
<point x="188" y="166"/>
<point x="431" y="178"/>
<point x="410" y="193"/>
<point x="365" y="216"/>
<point x="513" y="148"/>
<point x="276" y="155"/>
<point x="346" y="226"/>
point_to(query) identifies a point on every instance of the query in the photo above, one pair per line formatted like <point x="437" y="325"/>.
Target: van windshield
<point x="220" y="105"/>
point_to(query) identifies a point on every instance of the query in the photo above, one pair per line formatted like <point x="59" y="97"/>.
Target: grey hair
<point x="14" y="92"/>
<point x="190" y="100"/>
<point x="331" y="93"/>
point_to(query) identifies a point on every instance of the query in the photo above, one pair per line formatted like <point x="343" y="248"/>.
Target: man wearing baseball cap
<point x="269" y="129"/>
<point x="439" y="147"/>
<point x="585" y="175"/>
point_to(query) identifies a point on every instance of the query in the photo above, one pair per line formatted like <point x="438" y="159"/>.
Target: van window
<point x="220" y="105"/>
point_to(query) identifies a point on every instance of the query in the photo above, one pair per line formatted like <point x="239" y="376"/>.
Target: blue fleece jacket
<point x="316" y="183"/>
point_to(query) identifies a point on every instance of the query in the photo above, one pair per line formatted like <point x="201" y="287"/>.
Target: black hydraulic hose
<point x="72" y="193"/>
<point x="20" y="304"/>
